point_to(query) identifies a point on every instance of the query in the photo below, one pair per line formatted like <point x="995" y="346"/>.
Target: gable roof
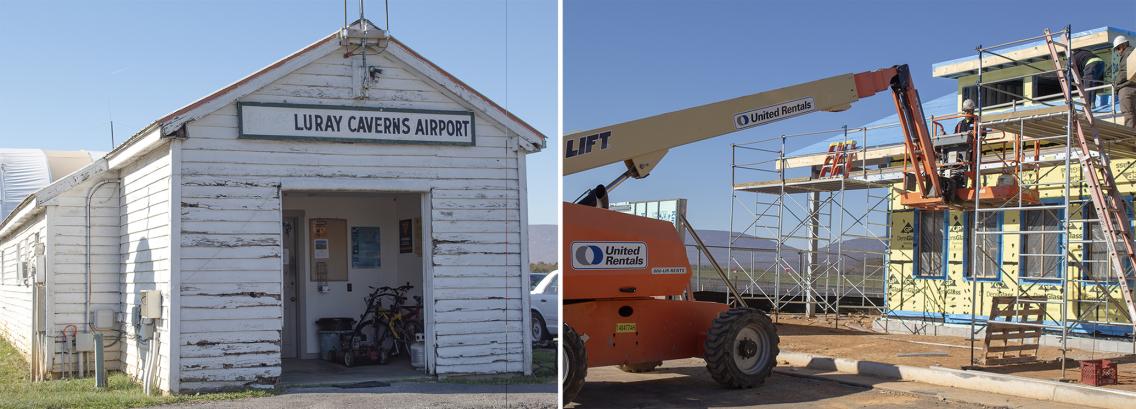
<point x="171" y="123"/>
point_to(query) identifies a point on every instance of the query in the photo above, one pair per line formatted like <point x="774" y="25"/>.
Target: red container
<point x="1098" y="372"/>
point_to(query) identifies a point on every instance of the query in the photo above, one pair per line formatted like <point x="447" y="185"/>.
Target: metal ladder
<point x="837" y="162"/>
<point x="1111" y="209"/>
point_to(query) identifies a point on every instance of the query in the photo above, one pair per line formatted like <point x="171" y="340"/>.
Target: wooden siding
<point x="67" y="236"/>
<point x="230" y="211"/>
<point x="15" y="292"/>
<point x="144" y="244"/>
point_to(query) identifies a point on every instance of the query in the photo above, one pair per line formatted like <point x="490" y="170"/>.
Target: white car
<point x="544" y="298"/>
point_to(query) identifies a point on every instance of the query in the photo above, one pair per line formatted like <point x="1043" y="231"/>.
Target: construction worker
<point x="1125" y="88"/>
<point x="967" y="121"/>
<point x="1091" y="68"/>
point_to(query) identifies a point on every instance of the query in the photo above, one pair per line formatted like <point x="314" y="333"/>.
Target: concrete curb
<point x="973" y="380"/>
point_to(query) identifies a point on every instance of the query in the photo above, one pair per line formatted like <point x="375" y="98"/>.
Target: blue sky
<point x="629" y="59"/>
<point x="70" y="66"/>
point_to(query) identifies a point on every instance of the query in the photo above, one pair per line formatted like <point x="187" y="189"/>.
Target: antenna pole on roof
<point x="387" y="10"/>
<point x="112" y="134"/>
<point x="344" y="14"/>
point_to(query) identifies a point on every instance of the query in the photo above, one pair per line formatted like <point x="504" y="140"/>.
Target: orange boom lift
<point x="627" y="278"/>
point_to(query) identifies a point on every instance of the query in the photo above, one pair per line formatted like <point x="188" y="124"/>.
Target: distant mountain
<point x="858" y="248"/>
<point x="747" y="249"/>
<point x="542" y="243"/>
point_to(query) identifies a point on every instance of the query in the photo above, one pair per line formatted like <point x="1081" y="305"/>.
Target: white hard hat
<point x="1120" y="39"/>
<point x="968" y="105"/>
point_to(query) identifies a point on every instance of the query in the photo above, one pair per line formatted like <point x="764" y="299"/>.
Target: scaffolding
<point x="831" y="231"/>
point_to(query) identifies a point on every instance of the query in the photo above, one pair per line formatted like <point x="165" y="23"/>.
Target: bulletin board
<point x="327" y="242"/>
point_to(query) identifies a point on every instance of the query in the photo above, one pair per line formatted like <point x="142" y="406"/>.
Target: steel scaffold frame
<point x="821" y="276"/>
<point x="815" y="274"/>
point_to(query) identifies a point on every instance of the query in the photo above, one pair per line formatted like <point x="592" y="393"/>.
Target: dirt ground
<point x="685" y="384"/>
<point x="853" y="340"/>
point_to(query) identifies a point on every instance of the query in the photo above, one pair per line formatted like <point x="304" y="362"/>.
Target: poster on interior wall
<point x="365" y="247"/>
<point x="418" y="233"/>
<point x="406" y="236"/>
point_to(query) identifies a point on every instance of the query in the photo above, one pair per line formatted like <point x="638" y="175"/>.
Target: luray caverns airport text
<point x="381" y="125"/>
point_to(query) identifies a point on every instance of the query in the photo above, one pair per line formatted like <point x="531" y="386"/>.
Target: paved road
<point x="401" y="395"/>
<point x="685" y="384"/>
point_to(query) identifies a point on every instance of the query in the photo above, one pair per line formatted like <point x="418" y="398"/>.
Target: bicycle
<point x="393" y="327"/>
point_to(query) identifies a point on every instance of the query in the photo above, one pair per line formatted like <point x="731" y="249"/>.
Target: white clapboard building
<point x="270" y="204"/>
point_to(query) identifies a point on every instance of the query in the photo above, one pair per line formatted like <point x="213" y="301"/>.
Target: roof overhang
<point x="1097" y="38"/>
<point x="24" y="212"/>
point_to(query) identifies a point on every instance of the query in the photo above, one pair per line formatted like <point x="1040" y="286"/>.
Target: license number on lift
<point x="625" y="327"/>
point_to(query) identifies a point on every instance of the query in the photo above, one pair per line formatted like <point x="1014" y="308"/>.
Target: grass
<point x="544" y="371"/>
<point x="18" y="391"/>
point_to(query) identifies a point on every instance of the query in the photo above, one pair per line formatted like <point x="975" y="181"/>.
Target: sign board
<point x="668" y="210"/>
<point x="354" y="124"/>
<point x="365" y="247"/>
<point x="764" y="115"/>
<point x="609" y="255"/>
<point x="406" y="236"/>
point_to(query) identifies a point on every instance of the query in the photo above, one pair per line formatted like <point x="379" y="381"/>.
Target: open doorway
<point x="340" y="250"/>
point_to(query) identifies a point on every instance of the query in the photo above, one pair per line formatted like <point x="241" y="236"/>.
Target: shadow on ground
<point x="692" y="387"/>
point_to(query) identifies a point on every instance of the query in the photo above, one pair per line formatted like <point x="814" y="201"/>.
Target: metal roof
<point x="26" y="171"/>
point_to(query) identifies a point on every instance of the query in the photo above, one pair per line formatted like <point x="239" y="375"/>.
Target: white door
<point x="290" y="344"/>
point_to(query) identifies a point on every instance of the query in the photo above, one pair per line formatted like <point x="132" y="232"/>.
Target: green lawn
<point x="17" y="391"/>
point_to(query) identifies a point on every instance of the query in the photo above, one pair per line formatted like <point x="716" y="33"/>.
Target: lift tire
<point x="640" y="367"/>
<point x="741" y="348"/>
<point x="575" y="362"/>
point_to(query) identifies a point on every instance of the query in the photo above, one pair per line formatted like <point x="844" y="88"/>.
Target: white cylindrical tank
<point x="418" y="353"/>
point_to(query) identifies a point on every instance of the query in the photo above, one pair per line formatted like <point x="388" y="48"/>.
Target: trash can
<point x="331" y="333"/>
<point x="335" y="324"/>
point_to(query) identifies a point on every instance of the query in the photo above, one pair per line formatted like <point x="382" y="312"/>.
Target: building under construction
<point x="1023" y="242"/>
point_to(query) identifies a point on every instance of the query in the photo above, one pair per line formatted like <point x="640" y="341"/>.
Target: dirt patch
<point x="849" y="337"/>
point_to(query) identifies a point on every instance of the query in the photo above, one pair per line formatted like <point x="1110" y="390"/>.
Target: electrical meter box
<point x="84" y="342"/>
<point x="103" y="319"/>
<point x="328" y="244"/>
<point x="151" y="304"/>
<point x="40" y="263"/>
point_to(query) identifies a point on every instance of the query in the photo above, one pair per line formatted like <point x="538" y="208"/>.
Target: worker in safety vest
<point x="1125" y="88"/>
<point x="1091" y="68"/>
<point x="966" y="125"/>
<point x="967" y="121"/>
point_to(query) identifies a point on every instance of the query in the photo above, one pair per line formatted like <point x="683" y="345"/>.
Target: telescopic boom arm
<point x="642" y="143"/>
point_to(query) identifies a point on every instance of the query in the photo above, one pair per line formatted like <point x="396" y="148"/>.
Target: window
<point x="1096" y="264"/>
<point x="534" y="280"/>
<point x="986" y="264"/>
<point x="996" y="93"/>
<point x="553" y="287"/>
<point x="1041" y="252"/>
<point x="931" y="244"/>
<point x="1046" y="85"/>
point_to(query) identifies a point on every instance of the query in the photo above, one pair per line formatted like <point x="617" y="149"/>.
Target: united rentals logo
<point x="609" y="255"/>
<point x="764" y="115"/>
